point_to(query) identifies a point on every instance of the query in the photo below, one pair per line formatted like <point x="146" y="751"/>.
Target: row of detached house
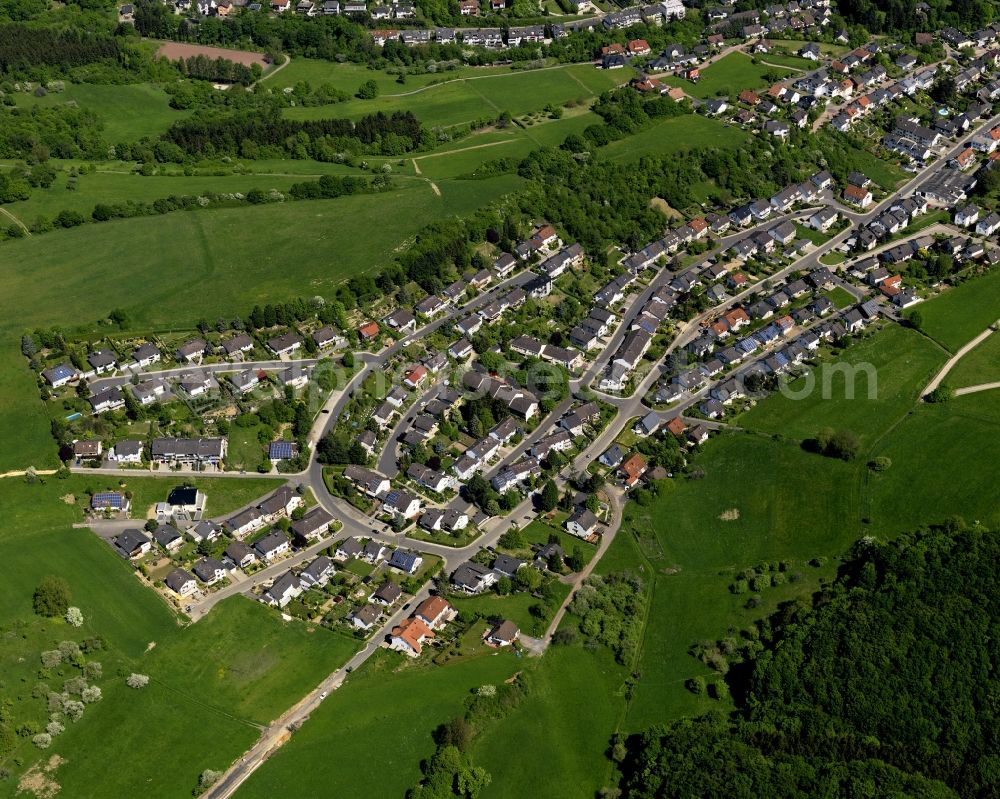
<point x="491" y="38"/>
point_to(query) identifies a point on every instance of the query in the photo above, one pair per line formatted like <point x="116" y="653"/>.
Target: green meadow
<point x="883" y="376"/>
<point x="368" y="738"/>
<point x="675" y="135"/>
<point x="471" y="97"/>
<point x="980" y="365"/>
<point x="960" y="314"/>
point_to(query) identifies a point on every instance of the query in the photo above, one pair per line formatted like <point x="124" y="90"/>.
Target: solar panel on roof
<point x="281" y="450"/>
<point x="109" y="500"/>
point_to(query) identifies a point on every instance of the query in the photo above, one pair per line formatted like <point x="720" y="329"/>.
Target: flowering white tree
<point x="43" y="740"/>
<point x="74" y="617"/>
<point x="137" y="680"/>
<point x="91" y="694"/>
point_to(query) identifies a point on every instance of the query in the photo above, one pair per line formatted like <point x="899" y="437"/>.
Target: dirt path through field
<point x="15" y="220"/>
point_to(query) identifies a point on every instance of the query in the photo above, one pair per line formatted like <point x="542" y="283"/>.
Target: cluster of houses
<point x="796" y="16"/>
<point x="403" y="10"/>
<point x="724" y="362"/>
<point x="179" y="521"/>
<point x="150" y="388"/>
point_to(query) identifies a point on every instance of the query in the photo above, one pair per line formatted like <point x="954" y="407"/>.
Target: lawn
<point x="730" y="75"/>
<point x="223" y="495"/>
<point x="516" y="607"/>
<point x="208" y="682"/>
<point x="979" y="365"/>
<point x="962" y="313"/>
<point x="168" y="271"/>
<point x="817" y="237"/>
<point x="467" y="99"/>
<point x="249" y="663"/>
<point x="245" y="449"/>
<point x="382" y="712"/>
<point x="840" y="297"/>
<point x="128" y="112"/>
<point x="897" y="362"/>
<point x="675" y="135"/>
<point x="791" y="61"/>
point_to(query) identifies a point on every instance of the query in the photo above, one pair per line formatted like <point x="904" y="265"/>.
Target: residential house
<point x="272" y="546"/>
<point x="582" y="523"/>
<point x="473" y="578"/>
<point x="503" y="634"/>
<point x="386" y="594"/>
<point x="283" y="590"/>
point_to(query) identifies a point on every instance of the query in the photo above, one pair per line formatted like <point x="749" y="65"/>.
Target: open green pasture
<point x="960" y="314"/>
<point x="386" y="711"/>
<point x="467" y="99"/>
<point x="675" y="135"/>
<point x="866" y="389"/>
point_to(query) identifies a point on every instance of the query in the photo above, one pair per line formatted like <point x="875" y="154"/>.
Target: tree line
<point x="220" y="70"/>
<point x="241" y="133"/>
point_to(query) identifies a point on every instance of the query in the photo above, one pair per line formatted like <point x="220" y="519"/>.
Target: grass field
<point x="675" y="135"/>
<point x="210" y="682"/>
<point x="979" y="365"/>
<point x="782" y="60"/>
<point x="840" y="297"/>
<point x="128" y="112"/>
<point x="376" y="729"/>
<point x="901" y="362"/>
<point x="218" y="262"/>
<point x="576" y="698"/>
<point x="729" y="76"/>
<point x="962" y="313"/>
<point x="941" y="466"/>
<point x="473" y="96"/>
<point x="515" y="607"/>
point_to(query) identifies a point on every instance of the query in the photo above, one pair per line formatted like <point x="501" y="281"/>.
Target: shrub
<point x="51" y="597"/>
<point x="51" y="658"/>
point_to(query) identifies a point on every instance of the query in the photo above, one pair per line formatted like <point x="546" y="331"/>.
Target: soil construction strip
<point x="174" y="51"/>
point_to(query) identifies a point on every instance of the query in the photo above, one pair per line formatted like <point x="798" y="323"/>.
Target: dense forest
<point x="885" y="686"/>
<point x="23" y="47"/>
